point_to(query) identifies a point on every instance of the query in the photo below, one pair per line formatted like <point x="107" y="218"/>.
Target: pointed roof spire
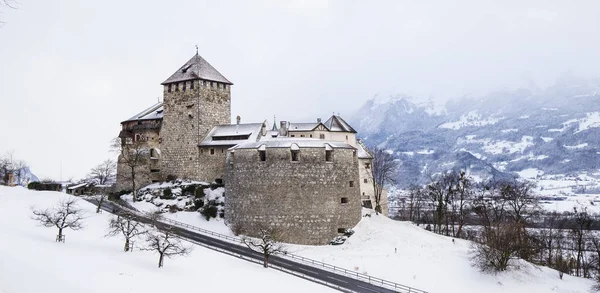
<point x="196" y="68"/>
<point x="274" y="124"/>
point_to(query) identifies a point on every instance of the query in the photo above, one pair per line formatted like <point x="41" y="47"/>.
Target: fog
<point x="72" y="70"/>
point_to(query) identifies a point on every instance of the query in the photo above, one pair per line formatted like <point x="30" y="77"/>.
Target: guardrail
<point x="318" y="264"/>
<point x="279" y="268"/>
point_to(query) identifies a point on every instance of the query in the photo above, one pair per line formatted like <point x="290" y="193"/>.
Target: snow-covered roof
<point x="153" y="112"/>
<point x="197" y="68"/>
<point x="295" y="142"/>
<point x="336" y="123"/>
<point x="362" y="152"/>
<point x="78" y="185"/>
<point x="233" y="134"/>
<point x="302" y="126"/>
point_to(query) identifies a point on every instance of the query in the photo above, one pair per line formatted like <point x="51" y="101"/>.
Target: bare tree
<point x="19" y="170"/>
<point x="133" y="155"/>
<point x="383" y="171"/>
<point x="583" y="223"/>
<point x="439" y="192"/>
<point x="416" y="195"/>
<point x="463" y="193"/>
<point x="165" y="243"/>
<point x="65" y="215"/>
<point x="126" y="225"/>
<point x="104" y="173"/>
<point x="11" y="4"/>
<point x="267" y="242"/>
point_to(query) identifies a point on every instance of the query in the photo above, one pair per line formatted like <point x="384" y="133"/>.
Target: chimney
<point x="318" y="120"/>
<point x="283" y="128"/>
<point x="238" y="119"/>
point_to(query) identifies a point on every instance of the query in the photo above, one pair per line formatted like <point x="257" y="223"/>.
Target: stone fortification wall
<point x="212" y="163"/>
<point x="302" y="198"/>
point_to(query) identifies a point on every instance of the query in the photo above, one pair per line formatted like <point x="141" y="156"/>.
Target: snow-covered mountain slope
<point x="30" y="260"/>
<point x="556" y="130"/>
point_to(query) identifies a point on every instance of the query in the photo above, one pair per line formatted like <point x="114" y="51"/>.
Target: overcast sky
<point x="71" y="70"/>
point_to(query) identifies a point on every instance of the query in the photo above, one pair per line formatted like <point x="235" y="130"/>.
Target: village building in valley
<point x="310" y="179"/>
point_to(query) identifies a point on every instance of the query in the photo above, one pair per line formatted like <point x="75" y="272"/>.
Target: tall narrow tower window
<point x="169" y="88"/>
<point x="184" y="86"/>
<point x="262" y="155"/>
<point x="295" y="155"/>
<point x="191" y="84"/>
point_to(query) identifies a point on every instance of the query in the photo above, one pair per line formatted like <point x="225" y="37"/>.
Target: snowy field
<point x="423" y="260"/>
<point x="30" y="260"/>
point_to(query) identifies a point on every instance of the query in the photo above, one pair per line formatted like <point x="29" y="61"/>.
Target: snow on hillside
<point x="432" y="262"/>
<point x="471" y="119"/>
<point x="423" y="259"/>
<point x="88" y="262"/>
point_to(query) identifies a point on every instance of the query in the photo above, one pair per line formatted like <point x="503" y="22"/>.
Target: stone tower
<point x="196" y="98"/>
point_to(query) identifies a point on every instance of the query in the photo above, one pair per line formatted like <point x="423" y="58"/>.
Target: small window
<point x="351" y="183"/>
<point x="311" y="136"/>
<point x="218" y="85"/>
<point x="292" y="135"/>
<point x="184" y="86"/>
<point x="367" y="165"/>
<point x="366" y="180"/>
<point x="328" y="156"/>
<point x="212" y="151"/>
<point x="222" y="151"/>
<point x="262" y="155"/>
<point x="321" y="136"/>
<point x="192" y="85"/>
<point x="224" y="86"/>
<point x="169" y="89"/>
<point x="204" y="83"/>
<point x="177" y="87"/>
<point x="346" y="137"/>
<point x="295" y="155"/>
<point x="341" y="230"/>
<point x="212" y="84"/>
<point x="344" y="200"/>
<point x="301" y="135"/>
<point x="201" y="151"/>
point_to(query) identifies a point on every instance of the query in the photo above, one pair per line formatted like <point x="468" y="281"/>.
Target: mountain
<point x="493" y="136"/>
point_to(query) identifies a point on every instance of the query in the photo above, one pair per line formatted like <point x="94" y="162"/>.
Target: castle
<point x="309" y="179"/>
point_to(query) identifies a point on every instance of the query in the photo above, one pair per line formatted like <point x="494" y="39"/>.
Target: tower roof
<point x="197" y="68"/>
<point x="336" y="123"/>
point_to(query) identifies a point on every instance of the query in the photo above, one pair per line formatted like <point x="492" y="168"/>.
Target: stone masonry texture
<point x="303" y="198"/>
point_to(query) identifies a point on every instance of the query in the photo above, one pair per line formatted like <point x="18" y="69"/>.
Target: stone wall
<point x="212" y="165"/>
<point x="302" y="198"/>
<point x="188" y="116"/>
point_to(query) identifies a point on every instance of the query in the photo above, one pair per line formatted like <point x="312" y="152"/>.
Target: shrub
<point x="215" y="185"/>
<point x="188" y="189"/>
<point x="198" y="203"/>
<point x="200" y="191"/>
<point x="209" y="211"/>
<point x="33" y="185"/>
<point x="167" y="194"/>
<point x="173" y="209"/>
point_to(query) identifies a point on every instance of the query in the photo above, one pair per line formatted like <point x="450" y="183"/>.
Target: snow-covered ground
<point x="431" y="262"/>
<point x="423" y="260"/>
<point x="30" y="260"/>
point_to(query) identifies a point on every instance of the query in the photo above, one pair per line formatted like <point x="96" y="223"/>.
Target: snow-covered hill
<point x="556" y="131"/>
<point x="30" y="260"/>
<point x="404" y="253"/>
